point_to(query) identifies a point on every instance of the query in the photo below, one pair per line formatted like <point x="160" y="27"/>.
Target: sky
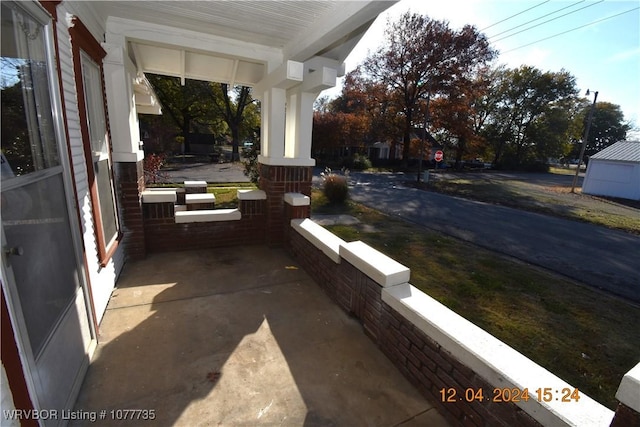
<point x="597" y="41"/>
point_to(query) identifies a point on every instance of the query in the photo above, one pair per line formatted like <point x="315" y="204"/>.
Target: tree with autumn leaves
<point x="423" y="60"/>
<point x="426" y="74"/>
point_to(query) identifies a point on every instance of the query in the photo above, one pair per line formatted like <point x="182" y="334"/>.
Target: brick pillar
<point x="625" y="417"/>
<point x="130" y="179"/>
<point x="275" y="181"/>
<point x="628" y="410"/>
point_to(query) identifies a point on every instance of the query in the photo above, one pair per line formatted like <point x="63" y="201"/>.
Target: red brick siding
<point x="130" y="183"/>
<point x="625" y="417"/>
<point x="275" y="181"/>
<point x="162" y="234"/>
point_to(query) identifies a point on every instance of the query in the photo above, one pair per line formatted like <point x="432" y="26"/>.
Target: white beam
<point x="287" y="75"/>
<point x="183" y="67"/>
<point x="319" y="80"/>
<point x="234" y="71"/>
<point x="121" y="28"/>
<point x="317" y="62"/>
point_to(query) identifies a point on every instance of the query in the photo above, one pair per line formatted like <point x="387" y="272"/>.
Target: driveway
<point x="600" y="257"/>
<point x="204" y="171"/>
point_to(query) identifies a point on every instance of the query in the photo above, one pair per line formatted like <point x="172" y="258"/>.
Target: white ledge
<point x="127" y="157"/>
<point x="195" y="184"/>
<point x="297" y="199"/>
<point x="500" y="365"/>
<point x="629" y="389"/>
<point x="319" y="237"/>
<point x="208" y="215"/>
<point x="159" y="196"/>
<point x="251" y="195"/>
<point x="382" y="269"/>
<point x="285" y="161"/>
<point x="199" y="198"/>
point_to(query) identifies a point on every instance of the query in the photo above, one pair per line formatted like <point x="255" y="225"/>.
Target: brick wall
<point x="275" y="181"/>
<point x="130" y="179"/>
<point x="431" y="369"/>
<point x="162" y="234"/>
<point x="429" y="366"/>
<point x="625" y="417"/>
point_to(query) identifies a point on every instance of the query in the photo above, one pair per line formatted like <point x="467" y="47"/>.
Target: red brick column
<point x="628" y="410"/>
<point x="625" y="416"/>
<point x="275" y="181"/>
<point x="130" y="184"/>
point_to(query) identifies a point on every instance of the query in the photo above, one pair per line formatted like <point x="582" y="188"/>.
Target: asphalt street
<point x="597" y="256"/>
<point x="600" y="257"/>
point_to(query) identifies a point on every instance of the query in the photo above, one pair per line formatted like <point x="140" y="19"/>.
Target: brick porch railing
<point x="446" y="357"/>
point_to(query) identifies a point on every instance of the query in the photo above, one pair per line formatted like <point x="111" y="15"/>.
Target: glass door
<point x="40" y="261"/>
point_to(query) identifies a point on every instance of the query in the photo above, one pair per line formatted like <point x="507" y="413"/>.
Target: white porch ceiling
<point x="236" y="42"/>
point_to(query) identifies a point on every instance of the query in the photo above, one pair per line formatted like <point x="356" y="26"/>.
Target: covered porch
<point x="240" y="336"/>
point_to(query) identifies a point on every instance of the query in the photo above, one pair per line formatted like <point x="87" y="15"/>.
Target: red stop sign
<point x="439" y="156"/>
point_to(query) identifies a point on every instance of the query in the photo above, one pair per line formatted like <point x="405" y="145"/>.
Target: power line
<point x="538" y="18"/>
<point x="548" y="20"/>
<point x="513" y="16"/>
<point x="573" y="29"/>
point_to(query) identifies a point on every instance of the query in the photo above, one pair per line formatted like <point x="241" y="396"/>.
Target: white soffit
<point x="183" y="63"/>
<point x="236" y="42"/>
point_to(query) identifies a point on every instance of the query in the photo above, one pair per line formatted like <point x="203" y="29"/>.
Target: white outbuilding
<point x="615" y="171"/>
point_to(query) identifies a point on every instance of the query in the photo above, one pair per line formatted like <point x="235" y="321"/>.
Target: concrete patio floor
<point x="240" y="337"/>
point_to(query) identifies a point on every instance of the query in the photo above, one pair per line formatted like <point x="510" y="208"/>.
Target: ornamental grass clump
<point x="334" y="186"/>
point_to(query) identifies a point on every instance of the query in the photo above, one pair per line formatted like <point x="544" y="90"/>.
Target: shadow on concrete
<point x="239" y="337"/>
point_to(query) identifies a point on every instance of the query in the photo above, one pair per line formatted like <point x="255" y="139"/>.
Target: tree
<point x="422" y="57"/>
<point x="183" y="105"/>
<point x="360" y="115"/>
<point x="459" y="117"/>
<point x="520" y="103"/>
<point x="232" y="111"/>
<point x="607" y="126"/>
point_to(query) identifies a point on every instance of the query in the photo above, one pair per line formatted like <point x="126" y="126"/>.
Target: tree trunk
<point x="462" y="145"/>
<point x="186" y="127"/>
<point x="235" y="142"/>
<point x="406" y="139"/>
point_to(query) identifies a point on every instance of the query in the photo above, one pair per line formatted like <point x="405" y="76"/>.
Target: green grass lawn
<point x="550" y="200"/>
<point x="227" y="193"/>
<point x="585" y="337"/>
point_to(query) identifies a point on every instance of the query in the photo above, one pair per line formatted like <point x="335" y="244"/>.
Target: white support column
<point x="299" y="125"/>
<point x="273" y="123"/>
<point x="119" y="74"/>
<point x="293" y="87"/>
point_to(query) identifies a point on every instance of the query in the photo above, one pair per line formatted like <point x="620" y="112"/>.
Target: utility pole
<point x="584" y="139"/>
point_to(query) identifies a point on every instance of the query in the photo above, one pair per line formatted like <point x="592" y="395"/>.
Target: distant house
<point x="615" y="171"/>
<point x="381" y="150"/>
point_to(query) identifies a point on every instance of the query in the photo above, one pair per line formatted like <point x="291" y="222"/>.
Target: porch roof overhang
<point x="236" y="42"/>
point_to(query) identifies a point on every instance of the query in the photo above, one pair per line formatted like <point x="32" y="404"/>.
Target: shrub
<point x="152" y="165"/>
<point x="358" y="162"/>
<point x="250" y="162"/>
<point x="335" y="187"/>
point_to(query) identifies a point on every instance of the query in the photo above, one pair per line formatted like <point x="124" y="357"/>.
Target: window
<point x="28" y="137"/>
<point x="87" y="58"/>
